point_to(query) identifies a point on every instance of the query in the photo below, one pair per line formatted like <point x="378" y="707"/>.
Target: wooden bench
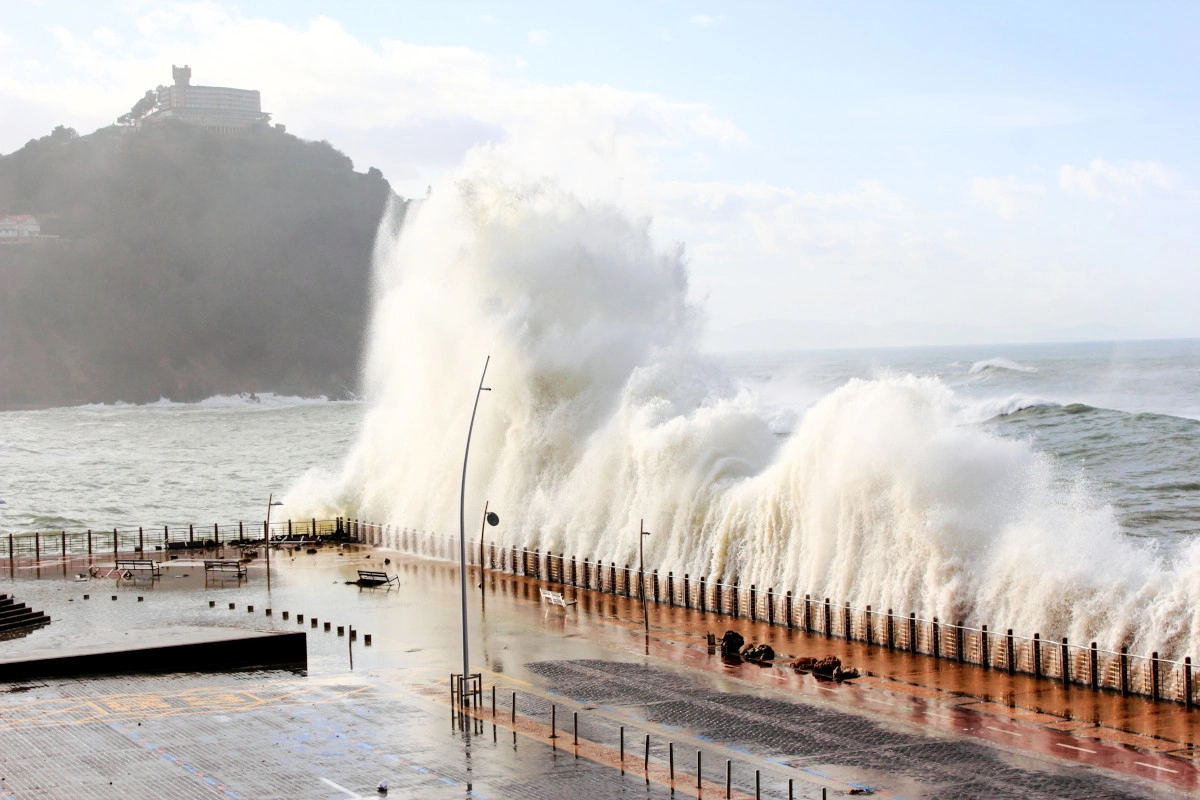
<point x="225" y="565"/>
<point x="138" y="565"/>
<point x="368" y="577"/>
<point x="555" y="598"/>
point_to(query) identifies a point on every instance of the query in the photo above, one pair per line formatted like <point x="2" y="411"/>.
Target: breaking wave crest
<point x="997" y="364"/>
<point x="603" y="413"/>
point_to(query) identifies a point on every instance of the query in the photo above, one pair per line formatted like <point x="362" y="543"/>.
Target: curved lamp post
<point x="462" y="535"/>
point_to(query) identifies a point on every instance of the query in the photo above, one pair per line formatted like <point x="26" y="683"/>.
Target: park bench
<point x="555" y="598"/>
<point x="225" y="565"/>
<point x="138" y="565"/>
<point x="367" y="577"/>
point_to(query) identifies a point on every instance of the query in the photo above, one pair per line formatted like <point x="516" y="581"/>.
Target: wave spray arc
<point x="603" y="412"/>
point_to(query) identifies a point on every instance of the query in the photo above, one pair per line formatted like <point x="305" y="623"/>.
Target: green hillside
<point x="187" y="264"/>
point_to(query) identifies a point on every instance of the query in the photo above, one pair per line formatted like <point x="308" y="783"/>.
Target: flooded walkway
<point x="361" y="715"/>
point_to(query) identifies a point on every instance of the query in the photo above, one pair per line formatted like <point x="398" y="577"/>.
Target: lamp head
<point x="493" y="518"/>
<point x="276" y="502"/>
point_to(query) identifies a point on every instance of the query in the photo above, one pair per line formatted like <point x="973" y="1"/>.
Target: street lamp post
<point x="271" y="501"/>
<point x="642" y="534"/>
<point x="489" y="518"/>
<point x="462" y="537"/>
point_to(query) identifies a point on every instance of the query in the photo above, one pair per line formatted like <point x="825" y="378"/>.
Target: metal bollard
<point x="141" y="599"/>
<point x="757" y="785"/>
<point x="575" y="720"/>
<point x="267" y="612"/>
<point x="698" y="781"/>
<point x="366" y="640"/>
<point x="671" y="760"/>
<point x="514" y="707"/>
<point x="553" y="720"/>
<point x="313" y="622"/>
<point x="285" y="616"/>
<point x="493" y="701"/>
<point x="299" y="619"/>
<point x="728" y="779"/>
<point x="232" y="606"/>
<point x="622" y="744"/>
<point x="341" y="631"/>
<point x="328" y="626"/>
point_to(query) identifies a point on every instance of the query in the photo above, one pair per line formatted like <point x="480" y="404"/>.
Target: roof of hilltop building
<point x="220" y="109"/>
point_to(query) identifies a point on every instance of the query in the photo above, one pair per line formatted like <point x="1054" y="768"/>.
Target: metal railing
<point x="1061" y="661"/>
<point x="1092" y="666"/>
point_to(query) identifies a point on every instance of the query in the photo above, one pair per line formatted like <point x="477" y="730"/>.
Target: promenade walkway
<point x="365" y="714"/>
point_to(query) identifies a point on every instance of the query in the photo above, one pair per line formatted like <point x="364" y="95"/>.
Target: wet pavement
<point x="359" y="715"/>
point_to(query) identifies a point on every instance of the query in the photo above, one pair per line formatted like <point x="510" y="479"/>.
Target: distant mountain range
<point x="789" y="334"/>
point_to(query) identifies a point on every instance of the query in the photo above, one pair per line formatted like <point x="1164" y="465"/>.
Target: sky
<point x="1017" y="171"/>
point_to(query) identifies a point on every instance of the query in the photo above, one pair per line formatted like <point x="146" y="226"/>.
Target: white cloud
<point x="539" y="36"/>
<point x="411" y="110"/>
<point x="1007" y="197"/>
<point x="1116" y="181"/>
<point x="706" y="20"/>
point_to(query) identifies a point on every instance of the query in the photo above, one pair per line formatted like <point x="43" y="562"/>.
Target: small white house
<point x="16" y="228"/>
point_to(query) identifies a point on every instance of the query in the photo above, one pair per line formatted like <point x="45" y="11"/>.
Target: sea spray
<point x="603" y="414"/>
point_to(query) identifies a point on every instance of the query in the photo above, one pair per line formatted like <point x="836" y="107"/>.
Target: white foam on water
<point x="998" y="364"/>
<point x="602" y="413"/>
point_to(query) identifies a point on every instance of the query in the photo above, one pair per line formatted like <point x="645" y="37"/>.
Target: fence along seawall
<point x="1091" y="666"/>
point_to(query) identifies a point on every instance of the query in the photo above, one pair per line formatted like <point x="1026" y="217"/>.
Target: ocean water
<point x="1048" y="488"/>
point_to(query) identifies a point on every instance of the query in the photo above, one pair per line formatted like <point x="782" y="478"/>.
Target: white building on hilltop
<point x="218" y="109"/>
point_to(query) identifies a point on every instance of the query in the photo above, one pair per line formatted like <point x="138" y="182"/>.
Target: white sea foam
<point x="994" y="364"/>
<point x="245" y="400"/>
<point x="602" y="414"/>
<point x="992" y="407"/>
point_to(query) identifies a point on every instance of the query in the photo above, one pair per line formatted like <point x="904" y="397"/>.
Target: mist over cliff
<point x="186" y="264"/>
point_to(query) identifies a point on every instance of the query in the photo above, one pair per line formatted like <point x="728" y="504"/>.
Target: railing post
<point x="1154" y="675"/>
<point x="654" y="580"/>
<point x="770" y="605"/>
<point x="787" y="609"/>
<point x="912" y="632"/>
<point x="1094" y="667"/>
<point x="1009" y="655"/>
<point x="1037" y="655"/>
<point x="703" y="594"/>
<point x="687" y="593"/>
<point x="1187" y="681"/>
<point x="64" y="547"/>
<point x="937" y="639"/>
<point x="737" y="597"/>
<point x="983" y="647"/>
<point x="670" y="588"/>
<point x="828" y="619"/>
<point x="141" y="541"/>
<point x="628" y="588"/>
<point x="890" y="631"/>
<point x="847" y="618"/>
<point x="867" y="627"/>
<point x="192" y="533"/>
<point x="89" y="544"/>
<point x="807" y="620"/>
<point x="958" y="641"/>
<point x="718" y="600"/>
<point x="612" y="577"/>
<point x="753" y="604"/>
<point x="1124" y="665"/>
<point x="1065" y="661"/>
<point x="37" y="546"/>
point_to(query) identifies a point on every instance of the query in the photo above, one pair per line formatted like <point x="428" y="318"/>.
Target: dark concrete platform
<point x="158" y="650"/>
